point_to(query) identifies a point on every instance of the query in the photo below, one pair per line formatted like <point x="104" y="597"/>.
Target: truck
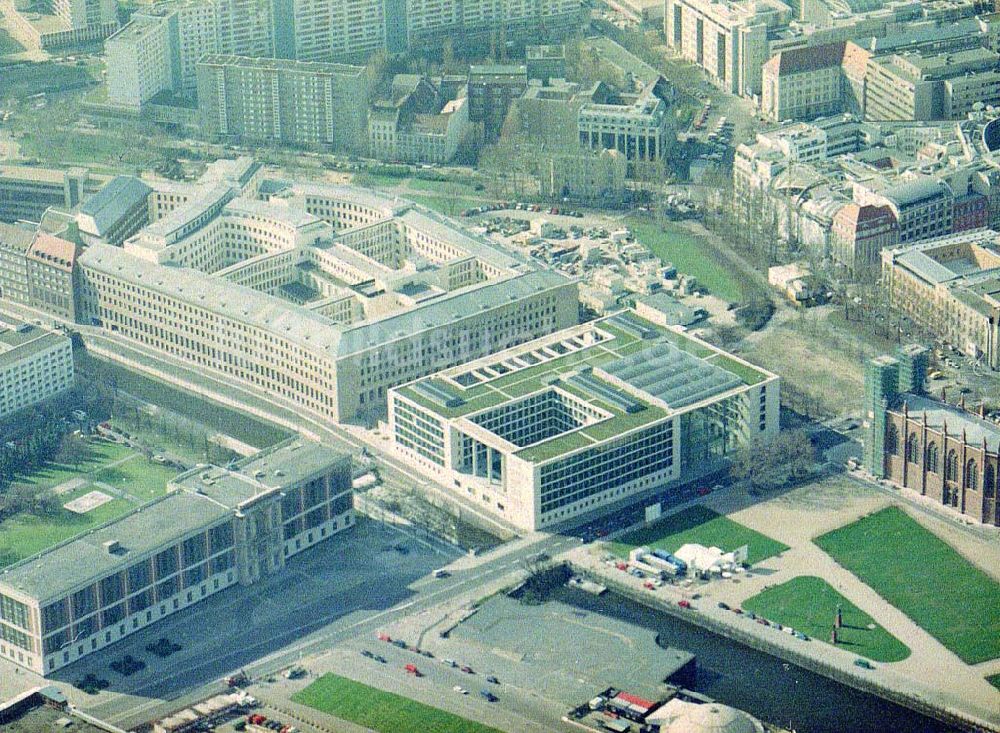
<point x="645" y="568"/>
<point x="679" y="565"/>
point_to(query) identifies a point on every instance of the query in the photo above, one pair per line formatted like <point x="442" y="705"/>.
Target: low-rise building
<point x="951" y="287"/>
<point x="597" y="177"/>
<point x="582" y="419"/>
<point x="35" y="364"/>
<point x="216" y="528"/>
<point x="116" y="212"/>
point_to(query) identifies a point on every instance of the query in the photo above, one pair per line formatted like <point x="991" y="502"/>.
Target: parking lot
<point x="334" y="584"/>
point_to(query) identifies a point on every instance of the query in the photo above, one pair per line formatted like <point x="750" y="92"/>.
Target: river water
<point x="763" y="685"/>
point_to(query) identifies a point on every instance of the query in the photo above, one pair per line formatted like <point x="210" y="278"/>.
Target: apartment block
<point x="430" y="22"/>
<point x="418" y="122"/>
<point x="492" y="90"/>
<point x="282" y="101"/>
<point x="728" y="40"/>
<point x="216" y="528"/>
<point x="35" y="364"/>
<point x="330" y="30"/>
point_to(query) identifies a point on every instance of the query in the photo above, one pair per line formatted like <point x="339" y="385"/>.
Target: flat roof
<point x="316" y="67"/>
<point x="61" y="569"/>
<point x="580" y="360"/>
<point x="20" y="343"/>
<point x="191" y="507"/>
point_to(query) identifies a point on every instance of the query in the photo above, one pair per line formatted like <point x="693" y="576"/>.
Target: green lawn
<point x="703" y="526"/>
<point x="26" y="534"/>
<point x="923" y="577"/>
<point x="381" y="711"/>
<point x="52" y="474"/>
<point x="994" y="680"/>
<point x="809" y="604"/>
<point x="7" y="43"/>
<point x="138" y="477"/>
<point x="688" y="254"/>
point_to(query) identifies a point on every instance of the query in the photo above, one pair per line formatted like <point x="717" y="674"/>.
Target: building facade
<point x="636" y="125"/>
<point x="927" y="445"/>
<point x="536" y="443"/>
<point x="281" y="101"/>
<point x="804" y="83"/>
<point x="951" y="287"/>
<point x="728" y="40"/>
<point x="218" y="527"/>
<point x="492" y="90"/>
<point x="26" y="191"/>
<point x="35" y="364"/>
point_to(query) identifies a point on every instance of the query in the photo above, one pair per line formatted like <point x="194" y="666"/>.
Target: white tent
<point x="705" y="559"/>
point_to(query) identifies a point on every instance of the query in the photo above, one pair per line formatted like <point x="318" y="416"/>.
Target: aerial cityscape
<point x="398" y="366"/>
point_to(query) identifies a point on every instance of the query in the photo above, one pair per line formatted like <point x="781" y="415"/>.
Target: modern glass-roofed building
<point x="581" y="419"/>
<point x="217" y="527"/>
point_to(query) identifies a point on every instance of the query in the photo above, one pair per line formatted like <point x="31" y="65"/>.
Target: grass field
<point x="7" y="42"/>
<point x="112" y="465"/>
<point x="689" y="255"/>
<point x="381" y="711"/>
<point x="809" y="604"/>
<point x="922" y="576"/>
<point x="703" y="526"/>
<point x="24" y="535"/>
<point x="994" y="680"/>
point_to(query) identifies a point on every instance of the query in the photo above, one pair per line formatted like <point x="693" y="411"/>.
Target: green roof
<point x="631" y="337"/>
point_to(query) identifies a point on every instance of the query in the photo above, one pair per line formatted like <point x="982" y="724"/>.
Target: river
<point x="763" y="685"/>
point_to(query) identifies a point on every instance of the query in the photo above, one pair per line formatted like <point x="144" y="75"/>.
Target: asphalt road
<point x="273" y="637"/>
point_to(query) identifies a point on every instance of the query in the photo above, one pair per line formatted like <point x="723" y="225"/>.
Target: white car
<point x="460" y="690"/>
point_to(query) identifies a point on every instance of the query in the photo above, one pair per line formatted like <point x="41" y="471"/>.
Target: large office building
<point x="35" y="364"/>
<point x="931" y="86"/>
<point x="927" y="445"/>
<point x="116" y="212"/>
<point x="320" y="297"/>
<point x="157" y="52"/>
<point x="951" y="287"/>
<point x="581" y="419"/>
<point x="728" y="40"/>
<point x="215" y="528"/>
<point x="26" y="192"/>
<point x="923" y="205"/>
<point x="636" y="125"/>
<point x="283" y="102"/>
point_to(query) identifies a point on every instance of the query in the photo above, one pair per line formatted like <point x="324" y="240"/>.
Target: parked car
<point x="863" y="663"/>
<point x="492" y="679"/>
<point x="460" y="690"/>
<point x="488" y="696"/>
<point x="467" y="669"/>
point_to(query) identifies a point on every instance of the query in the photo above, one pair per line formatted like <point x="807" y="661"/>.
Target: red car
<point x="467" y="669"/>
<point x="412" y="669"/>
<point x="704" y="491"/>
<point x="384" y="637"/>
<point x="684" y="603"/>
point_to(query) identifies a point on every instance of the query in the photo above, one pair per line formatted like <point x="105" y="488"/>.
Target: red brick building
<point x="945" y="453"/>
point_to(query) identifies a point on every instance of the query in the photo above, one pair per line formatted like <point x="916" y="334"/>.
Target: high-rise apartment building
<point x="729" y="40"/>
<point x="282" y="101"/>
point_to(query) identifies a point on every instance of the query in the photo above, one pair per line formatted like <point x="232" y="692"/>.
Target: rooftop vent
<point x="112" y="547"/>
